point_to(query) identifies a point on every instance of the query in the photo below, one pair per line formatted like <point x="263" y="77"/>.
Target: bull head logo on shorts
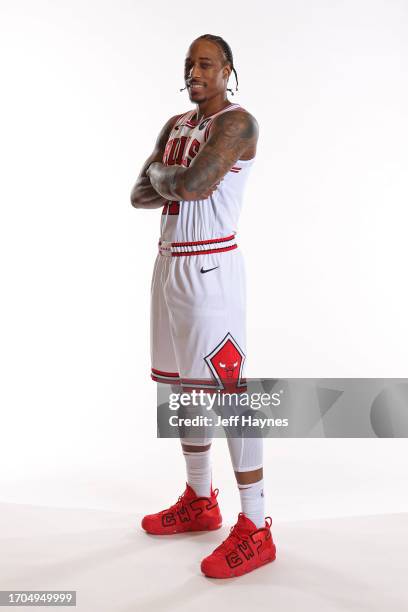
<point x="226" y="363"/>
<point x="230" y="368"/>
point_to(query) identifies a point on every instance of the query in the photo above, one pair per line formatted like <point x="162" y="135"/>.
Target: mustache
<point x="190" y="83"/>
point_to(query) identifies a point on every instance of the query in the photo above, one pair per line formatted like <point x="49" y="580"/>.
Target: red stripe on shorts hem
<point x="161" y="373"/>
<point x="168" y="381"/>
<point x="159" y="376"/>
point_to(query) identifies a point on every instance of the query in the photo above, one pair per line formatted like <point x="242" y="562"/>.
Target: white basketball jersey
<point x="212" y="217"/>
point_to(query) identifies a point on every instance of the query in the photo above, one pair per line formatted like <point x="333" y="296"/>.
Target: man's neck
<point x="209" y="108"/>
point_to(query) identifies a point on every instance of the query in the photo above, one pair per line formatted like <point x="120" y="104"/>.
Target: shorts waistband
<point x="198" y="247"/>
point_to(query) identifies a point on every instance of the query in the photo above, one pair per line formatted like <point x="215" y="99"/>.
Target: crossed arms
<point x="143" y="193"/>
<point x="232" y="134"/>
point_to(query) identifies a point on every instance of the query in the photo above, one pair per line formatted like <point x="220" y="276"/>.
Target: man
<point x="196" y="173"/>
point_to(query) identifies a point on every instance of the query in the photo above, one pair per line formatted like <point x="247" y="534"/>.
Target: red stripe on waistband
<point x="198" y="242"/>
<point x="204" y="252"/>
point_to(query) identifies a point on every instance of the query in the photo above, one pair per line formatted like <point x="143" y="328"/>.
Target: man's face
<point x="204" y="73"/>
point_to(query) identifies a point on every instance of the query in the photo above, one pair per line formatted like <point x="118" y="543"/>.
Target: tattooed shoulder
<point x="232" y="135"/>
<point x="236" y="124"/>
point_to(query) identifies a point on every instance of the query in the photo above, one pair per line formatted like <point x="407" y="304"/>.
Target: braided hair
<point x="226" y="49"/>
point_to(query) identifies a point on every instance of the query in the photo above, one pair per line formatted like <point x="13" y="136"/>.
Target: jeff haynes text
<point x="231" y="421"/>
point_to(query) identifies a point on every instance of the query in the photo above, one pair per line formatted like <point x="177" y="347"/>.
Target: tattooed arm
<point x="143" y="193"/>
<point x="232" y="135"/>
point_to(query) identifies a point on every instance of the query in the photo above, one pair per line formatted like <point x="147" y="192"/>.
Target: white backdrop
<point x="86" y="86"/>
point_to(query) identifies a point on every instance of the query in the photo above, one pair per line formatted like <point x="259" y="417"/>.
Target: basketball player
<point x="196" y="174"/>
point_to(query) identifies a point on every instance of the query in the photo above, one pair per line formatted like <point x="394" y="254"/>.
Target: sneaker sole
<point x="237" y="575"/>
<point x="167" y="533"/>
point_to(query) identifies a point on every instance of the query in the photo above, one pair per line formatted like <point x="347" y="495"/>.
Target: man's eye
<point x="188" y="66"/>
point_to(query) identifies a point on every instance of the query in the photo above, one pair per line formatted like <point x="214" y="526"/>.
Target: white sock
<point x="199" y="472"/>
<point x="252" y="502"/>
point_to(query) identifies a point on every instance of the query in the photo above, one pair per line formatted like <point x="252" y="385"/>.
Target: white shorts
<point x="197" y="323"/>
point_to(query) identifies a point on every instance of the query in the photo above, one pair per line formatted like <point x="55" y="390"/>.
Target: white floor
<point x="325" y="565"/>
<point x="340" y="522"/>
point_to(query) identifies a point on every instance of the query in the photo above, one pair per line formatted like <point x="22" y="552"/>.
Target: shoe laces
<point x="179" y="503"/>
<point x="231" y="541"/>
<point x="234" y="537"/>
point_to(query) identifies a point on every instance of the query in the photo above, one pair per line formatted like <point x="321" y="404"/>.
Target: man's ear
<point x="227" y="72"/>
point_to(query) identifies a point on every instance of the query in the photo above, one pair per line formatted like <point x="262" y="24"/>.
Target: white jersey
<point x="217" y="215"/>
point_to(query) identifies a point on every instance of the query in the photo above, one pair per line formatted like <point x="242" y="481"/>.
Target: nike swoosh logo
<point x="209" y="269"/>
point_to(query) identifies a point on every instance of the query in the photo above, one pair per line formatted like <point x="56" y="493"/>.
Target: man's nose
<point x="195" y="72"/>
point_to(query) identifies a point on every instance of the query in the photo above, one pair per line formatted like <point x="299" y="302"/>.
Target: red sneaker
<point x="189" y="513"/>
<point x="245" y="549"/>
